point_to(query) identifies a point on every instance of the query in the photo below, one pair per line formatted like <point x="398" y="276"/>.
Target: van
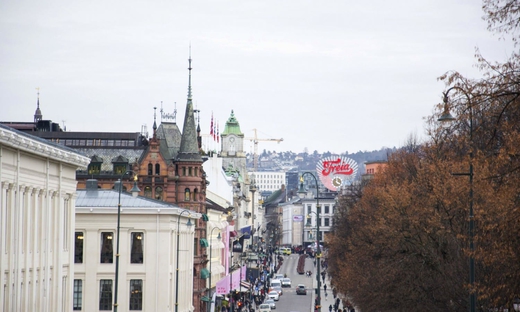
<point x="276" y="283"/>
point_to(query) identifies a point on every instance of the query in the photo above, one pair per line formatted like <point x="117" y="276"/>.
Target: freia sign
<point x="336" y="171"/>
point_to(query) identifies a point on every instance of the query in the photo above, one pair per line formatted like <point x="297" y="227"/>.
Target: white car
<point x="271" y="303"/>
<point x="273" y="294"/>
<point x="264" y="307"/>
<point x="286" y="282"/>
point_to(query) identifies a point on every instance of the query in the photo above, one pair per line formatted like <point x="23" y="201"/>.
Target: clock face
<point x="232" y="139"/>
<point x="337" y="182"/>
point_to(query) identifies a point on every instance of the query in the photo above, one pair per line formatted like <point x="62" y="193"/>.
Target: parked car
<point x="301" y="290"/>
<point x="271" y="303"/>
<point x="286" y="282"/>
<point x="273" y="294"/>
<point x="264" y="307"/>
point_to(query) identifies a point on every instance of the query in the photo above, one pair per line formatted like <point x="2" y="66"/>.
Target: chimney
<point x="92" y="185"/>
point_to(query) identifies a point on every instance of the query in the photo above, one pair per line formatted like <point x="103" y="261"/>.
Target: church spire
<point x="189" y="150"/>
<point x="38" y="113"/>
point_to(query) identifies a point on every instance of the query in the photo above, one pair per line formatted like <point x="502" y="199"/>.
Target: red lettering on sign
<point x="336" y="166"/>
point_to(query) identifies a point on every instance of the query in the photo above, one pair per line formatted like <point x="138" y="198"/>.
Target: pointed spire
<point x="38" y="113"/>
<point x="189" y="80"/>
<point x="189" y="150"/>
<point x="154" y="122"/>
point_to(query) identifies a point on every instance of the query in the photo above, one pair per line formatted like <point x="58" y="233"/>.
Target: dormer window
<point x="120" y="165"/>
<point x="95" y="165"/>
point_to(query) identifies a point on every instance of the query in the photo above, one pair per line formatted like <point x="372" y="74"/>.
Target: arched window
<point x="150" y="169"/>
<point x="159" y="193"/>
<point x="187" y="194"/>
<point x="195" y="194"/>
<point x="148" y="191"/>
<point x="157" y="169"/>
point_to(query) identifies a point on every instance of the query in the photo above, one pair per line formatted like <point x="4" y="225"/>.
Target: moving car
<point x="278" y="289"/>
<point x="273" y="294"/>
<point x="286" y="282"/>
<point x="271" y="303"/>
<point x="278" y="276"/>
<point x="301" y="290"/>
<point x="264" y="307"/>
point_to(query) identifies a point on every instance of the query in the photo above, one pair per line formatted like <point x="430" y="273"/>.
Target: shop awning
<point x="245" y="284"/>
<point x="204" y="273"/>
<point x="204" y="242"/>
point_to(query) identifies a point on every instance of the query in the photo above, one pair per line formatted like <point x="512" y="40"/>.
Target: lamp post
<point x="135" y="190"/>
<point x="447" y="118"/>
<point x="318" y="249"/>
<point x="188" y="224"/>
<point x="210" y="266"/>
<point x="252" y="189"/>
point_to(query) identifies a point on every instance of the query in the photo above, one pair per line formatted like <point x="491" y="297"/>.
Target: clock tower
<point x="232" y="149"/>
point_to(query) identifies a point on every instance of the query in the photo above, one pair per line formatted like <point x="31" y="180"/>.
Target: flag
<point x="218" y="134"/>
<point x="215" y="132"/>
<point x="211" y="127"/>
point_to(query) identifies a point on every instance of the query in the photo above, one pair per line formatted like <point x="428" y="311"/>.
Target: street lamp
<point x="516" y="304"/>
<point x="210" y="272"/>
<point x="318" y="250"/>
<point x="188" y="224"/>
<point x="446" y="118"/>
<point x="134" y="190"/>
<point x="252" y="189"/>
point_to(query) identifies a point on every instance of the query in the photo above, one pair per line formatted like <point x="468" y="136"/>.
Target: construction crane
<point x="255" y="140"/>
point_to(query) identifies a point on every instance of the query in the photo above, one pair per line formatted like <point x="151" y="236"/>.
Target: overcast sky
<point x="328" y="75"/>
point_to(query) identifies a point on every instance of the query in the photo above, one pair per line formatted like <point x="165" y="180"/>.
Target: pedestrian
<point x="326" y="296"/>
<point x="330" y="308"/>
<point x="325" y="287"/>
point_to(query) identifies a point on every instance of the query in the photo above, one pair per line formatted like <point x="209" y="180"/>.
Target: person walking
<point x="330" y="308"/>
<point x="325" y="287"/>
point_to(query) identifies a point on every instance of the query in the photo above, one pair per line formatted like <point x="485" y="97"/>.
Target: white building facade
<point x="156" y="243"/>
<point x="37" y="199"/>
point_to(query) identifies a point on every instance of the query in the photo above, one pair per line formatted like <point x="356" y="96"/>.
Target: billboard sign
<point x="336" y="171"/>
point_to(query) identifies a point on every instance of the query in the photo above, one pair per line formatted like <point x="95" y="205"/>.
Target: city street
<point x="290" y="301"/>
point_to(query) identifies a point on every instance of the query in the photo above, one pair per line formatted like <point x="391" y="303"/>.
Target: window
<point x="195" y="194"/>
<point x="105" y="295"/>
<point x="157" y="169"/>
<point x="189" y="171"/>
<point x="184" y="171"/>
<point x="158" y="193"/>
<point x="327" y="222"/>
<point x="94" y="168"/>
<point x="147" y="191"/>
<point x="78" y="293"/>
<point x="78" y="247"/>
<point x="150" y="168"/>
<point x="187" y="194"/>
<point x="196" y="172"/>
<point x="136" y="255"/>
<point x="327" y="208"/>
<point x="120" y="168"/>
<point x="309" y="209"/>
<point x="136" y="295"/>
<point x="107" y="252"/>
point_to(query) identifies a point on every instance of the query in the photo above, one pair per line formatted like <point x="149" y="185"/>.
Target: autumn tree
<point x="401" y="242"/>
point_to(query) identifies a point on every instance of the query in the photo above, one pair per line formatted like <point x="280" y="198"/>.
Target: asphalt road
<point x="290" y="301"/>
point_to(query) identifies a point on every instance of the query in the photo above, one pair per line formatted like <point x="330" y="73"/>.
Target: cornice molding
<point x="25" y="143"/>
